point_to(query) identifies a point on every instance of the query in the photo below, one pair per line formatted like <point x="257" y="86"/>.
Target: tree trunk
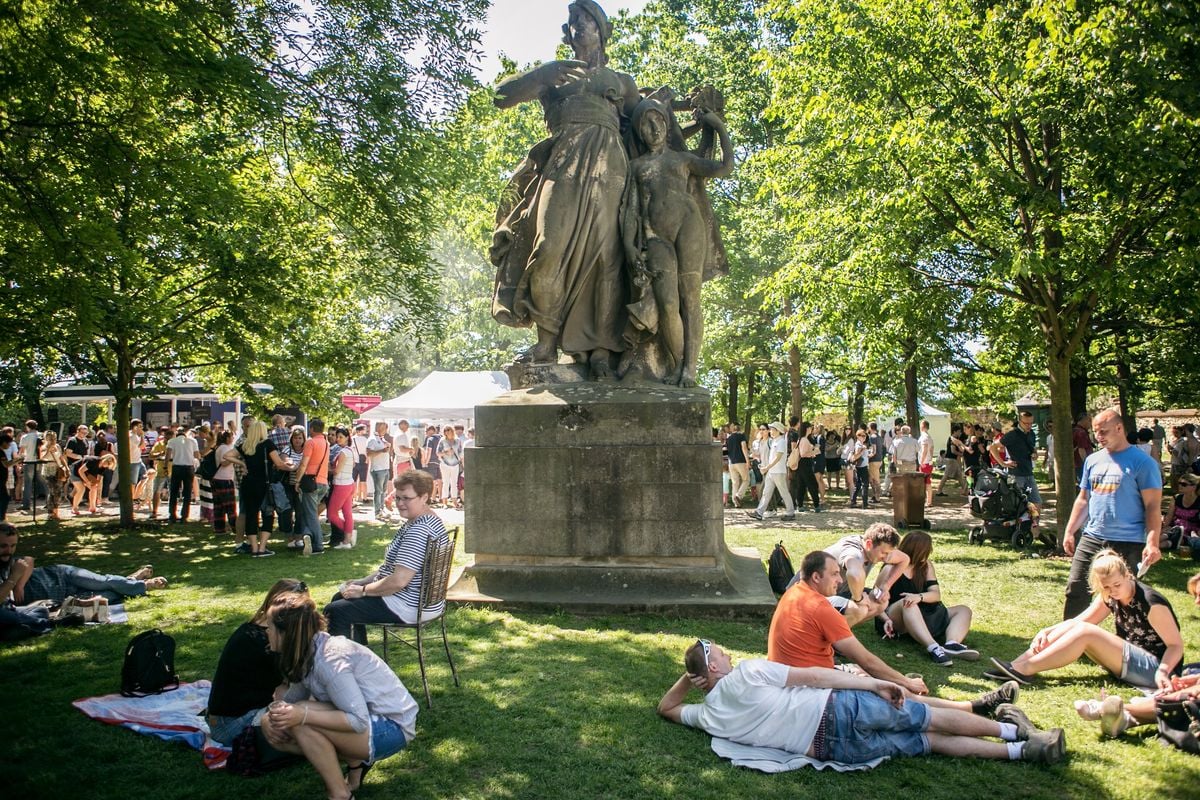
<point x="731" y="396"/>
<point x="122" y="405"/>
<point x="750" y="389"/>
<point x="1061" y="381"/>
<point x="911" y="411"/>
<point x="1079" y="386"/>
<point x="795" y="369"/>
<point x="860" y="397"/>
<point x="1125" y="388"/>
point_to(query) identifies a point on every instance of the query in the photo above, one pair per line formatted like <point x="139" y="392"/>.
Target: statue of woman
<point x="557" y="244"/>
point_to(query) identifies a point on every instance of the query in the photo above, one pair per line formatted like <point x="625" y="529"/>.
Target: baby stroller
<point x="1004" y="508"/>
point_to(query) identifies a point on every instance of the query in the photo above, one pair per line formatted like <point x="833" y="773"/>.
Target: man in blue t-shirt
<point x="1120" y="492"/>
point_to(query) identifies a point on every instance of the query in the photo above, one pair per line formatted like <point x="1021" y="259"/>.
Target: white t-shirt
<point x="377" y="453"/>
<point x="358" y="443"/>
<point x="183" y="450"/>
<point x="403" y="439"/>
<point x="29" y="446"/>
<point x="754" y="705"/>
<point x="925" y="448"/>
<point x="778" y="447"/>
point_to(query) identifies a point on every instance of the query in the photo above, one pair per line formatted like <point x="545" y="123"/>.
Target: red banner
<point x="361" y="402"/>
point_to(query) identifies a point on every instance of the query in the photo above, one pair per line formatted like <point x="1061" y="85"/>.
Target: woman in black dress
<point x="919" y="611"/>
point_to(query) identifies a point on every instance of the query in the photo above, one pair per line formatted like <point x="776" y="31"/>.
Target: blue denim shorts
<point x="226" y="729"/>
<point x="1138" y="666"/>
<point x="387" y="738"/>
<point x="864" y="726"/>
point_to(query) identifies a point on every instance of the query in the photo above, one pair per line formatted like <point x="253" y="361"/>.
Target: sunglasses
<point x="706" y="645"/>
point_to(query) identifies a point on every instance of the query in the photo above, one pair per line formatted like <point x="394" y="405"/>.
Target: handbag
<point x="308" y="481"/>
<point x="1178" y="723"/>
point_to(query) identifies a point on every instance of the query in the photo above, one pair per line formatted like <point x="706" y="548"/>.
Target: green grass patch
<point x="551" y="705"/>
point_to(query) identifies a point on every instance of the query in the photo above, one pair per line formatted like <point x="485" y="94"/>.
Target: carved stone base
<point x="602" y="496"/>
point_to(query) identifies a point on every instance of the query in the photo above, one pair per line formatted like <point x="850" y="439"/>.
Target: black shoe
<point x="1007" y="712"/>
<point x="1045" y="747"/>
<point x="940" y="656"/>
<point x="263" y="554"/>
<point x="756" y="515"/>
<point x="788" y="517"/>
<point x="987" y="703"/>
<point x="243" y="548"/>
<point x="1005" y="668"/>
<point x="962" y="651"/>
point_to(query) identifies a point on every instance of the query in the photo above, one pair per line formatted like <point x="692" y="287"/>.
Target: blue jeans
<point x="862" y="726"/>
<point x="84" y="582"/>
<point x="379" y="479"/>
<point x="32" y="482"/>
<point x="226" y="729"/>
<point x="307" y="521"/>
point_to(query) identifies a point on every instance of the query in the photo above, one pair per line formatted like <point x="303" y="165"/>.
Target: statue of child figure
<point x="666" y="239"/>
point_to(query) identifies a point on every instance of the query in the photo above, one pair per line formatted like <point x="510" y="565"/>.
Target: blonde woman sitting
<point x="1145" y="651"/>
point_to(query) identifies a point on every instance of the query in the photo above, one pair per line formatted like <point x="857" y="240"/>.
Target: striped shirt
<point x="408" y="550"/>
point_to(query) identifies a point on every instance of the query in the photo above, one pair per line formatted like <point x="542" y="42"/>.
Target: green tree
<point x="1040" y="148"/>
<point x="203" y="186"/>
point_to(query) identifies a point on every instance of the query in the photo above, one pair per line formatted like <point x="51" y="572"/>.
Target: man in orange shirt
<point x="806" y="630"/>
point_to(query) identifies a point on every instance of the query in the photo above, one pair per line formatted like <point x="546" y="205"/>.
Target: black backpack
<point x="208" y="465"/>
<point x="779" y="569"/>
<point x="149" y="666"/>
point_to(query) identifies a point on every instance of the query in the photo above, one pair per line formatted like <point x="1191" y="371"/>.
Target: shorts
<point x="434" y="470"/>
<point x="862" y="726"/>
<point x="1028" y="483"/>
<point x="953" y="470"/>
<point x="833" y="464"/>
<point x="927" y="471"/>
<point x="387" y="738"/>
<point x="226" y="729"/>
<point x="1138" y="666"/>
<point x="359" y="474"/>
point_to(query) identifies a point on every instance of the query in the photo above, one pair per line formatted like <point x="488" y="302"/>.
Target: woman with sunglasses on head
<point x="343" y="703"/>
<point x="1181" y="522"/>
<point x="393" y="592"/>
<point x="247" y="672"/>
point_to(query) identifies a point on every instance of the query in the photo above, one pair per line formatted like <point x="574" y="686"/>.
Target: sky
<point x="529" y="30"/>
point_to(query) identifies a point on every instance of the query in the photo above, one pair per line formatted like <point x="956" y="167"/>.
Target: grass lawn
<point x="551" y="705"/>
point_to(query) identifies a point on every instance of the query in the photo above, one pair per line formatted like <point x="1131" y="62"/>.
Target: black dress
<point x="937" y="618"/>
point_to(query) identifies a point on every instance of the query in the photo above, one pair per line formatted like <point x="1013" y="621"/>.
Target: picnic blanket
<point x="768" y="759"/>
<point x="176" y="716"/>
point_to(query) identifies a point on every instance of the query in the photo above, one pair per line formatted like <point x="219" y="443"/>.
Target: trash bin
<point x="908" y="500"/>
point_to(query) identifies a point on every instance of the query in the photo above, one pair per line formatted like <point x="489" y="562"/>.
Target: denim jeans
<point x="1079" y="593"/>
<point x="379" y="480"/>
<point x="32" y="483"/>
<point x="862" y="726"/>
<point x="307" y="521"/>
<point x="84" y="582"/>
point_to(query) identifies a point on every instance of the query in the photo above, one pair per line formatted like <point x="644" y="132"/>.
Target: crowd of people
<point x="244" y="479"/>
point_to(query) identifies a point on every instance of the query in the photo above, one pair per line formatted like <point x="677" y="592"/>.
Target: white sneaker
<point x="1113" y="719"/>
<point x="343" y="546"/>
<point x="1088" y="709"/>
<point x="307" y="545"/>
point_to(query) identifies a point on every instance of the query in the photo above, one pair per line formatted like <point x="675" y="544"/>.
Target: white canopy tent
<point x="442" y="396"/>
<point x="939" y="424"/>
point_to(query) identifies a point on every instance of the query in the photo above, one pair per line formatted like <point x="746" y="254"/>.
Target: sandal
<point x="365" y="767"/>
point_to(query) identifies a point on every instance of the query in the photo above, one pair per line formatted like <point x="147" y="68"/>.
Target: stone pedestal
<point x="602" y="496"/>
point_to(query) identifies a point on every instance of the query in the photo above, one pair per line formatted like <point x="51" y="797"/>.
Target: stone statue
<point x="601" y="260"/>
<point x="557" y="243"/>
<point x="666" y="239"/>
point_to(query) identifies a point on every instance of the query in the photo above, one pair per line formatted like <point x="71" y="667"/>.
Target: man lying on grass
<point x="831" y="715"/>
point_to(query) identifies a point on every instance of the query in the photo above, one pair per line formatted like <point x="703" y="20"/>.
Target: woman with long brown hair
<point x="247" y="672"/>
<point x="919" y="611"/>
<point x="343" y="703"/>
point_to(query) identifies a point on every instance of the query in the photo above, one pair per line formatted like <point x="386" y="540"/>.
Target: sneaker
<point x="1088" y="709"/>
<point x="987" y="703"/>
<point x="307" y="546"/>
<point x="264" y="554"/>
<point x="343" y="546"/>
<point x="1007" y="712"/>
<point x="1045" y="747"/>
<point x="1005" y="668"/>
<point x="940" y="656"/>
<point x="756" y="515"/>
<point x="1113" y="719"/>
<point x="961" y="651"/>
<point x="243" y="548"/>
<point x="788" y="517"/>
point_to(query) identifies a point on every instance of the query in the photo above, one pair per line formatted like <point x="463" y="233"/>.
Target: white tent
<point x="939" y="424"/>
<point x="442" y="396"/>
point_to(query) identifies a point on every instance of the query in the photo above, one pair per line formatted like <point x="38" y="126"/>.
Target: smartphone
<point x="875" y="593"/>
<point x="1142" y="569"/>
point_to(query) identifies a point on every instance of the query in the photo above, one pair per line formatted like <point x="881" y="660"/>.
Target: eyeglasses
<point x="406" y="499"/>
